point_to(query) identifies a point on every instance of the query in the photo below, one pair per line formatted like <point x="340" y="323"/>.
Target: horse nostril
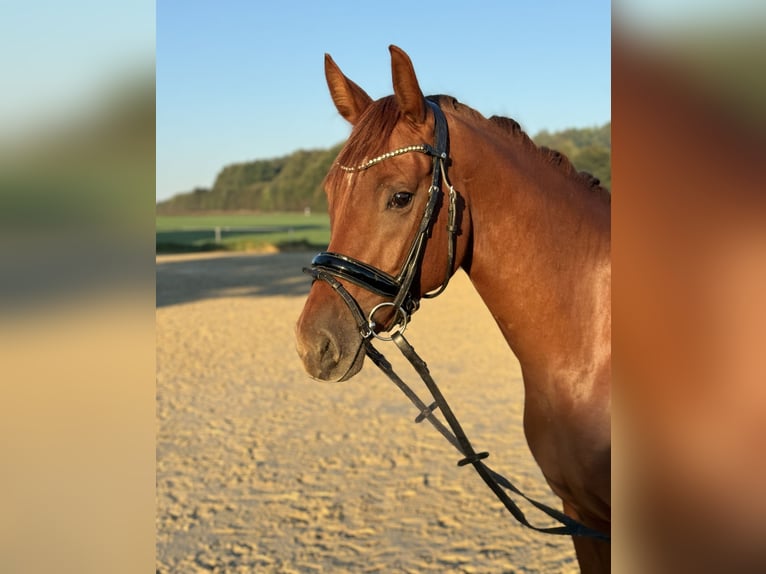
<point x="329" y="352"/>
<point x="326" y="347"/>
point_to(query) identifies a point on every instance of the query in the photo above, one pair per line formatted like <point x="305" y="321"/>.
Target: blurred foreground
<point x="76" y="288"/>
<point x="689" y="234"/>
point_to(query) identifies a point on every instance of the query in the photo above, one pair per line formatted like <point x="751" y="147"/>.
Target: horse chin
<point x="353" y="369"/>
<point x="338" y="373"/>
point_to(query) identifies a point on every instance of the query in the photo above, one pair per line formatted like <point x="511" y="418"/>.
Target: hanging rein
<point x="329" y="267"/>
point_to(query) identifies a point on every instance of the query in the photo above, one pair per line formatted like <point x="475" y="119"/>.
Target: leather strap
<point x="357" y="272"/>
<point x="495" y="481"/>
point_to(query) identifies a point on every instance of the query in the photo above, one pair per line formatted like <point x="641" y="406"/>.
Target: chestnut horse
<point x="532" y="234"/>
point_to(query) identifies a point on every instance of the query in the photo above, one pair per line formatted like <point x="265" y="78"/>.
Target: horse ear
<point x="350" y="99"/>
<point x="406" y="88"/>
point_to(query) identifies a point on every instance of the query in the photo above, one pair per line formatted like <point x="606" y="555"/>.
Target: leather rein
<point x="329" y="267"/>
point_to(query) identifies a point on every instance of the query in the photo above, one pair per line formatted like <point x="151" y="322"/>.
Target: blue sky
<point x="243" y="80"/>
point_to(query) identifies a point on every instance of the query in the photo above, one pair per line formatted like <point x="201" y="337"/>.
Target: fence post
<point x="217" y="234"/>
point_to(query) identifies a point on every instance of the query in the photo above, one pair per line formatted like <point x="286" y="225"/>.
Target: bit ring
<point x="403" y="320"/>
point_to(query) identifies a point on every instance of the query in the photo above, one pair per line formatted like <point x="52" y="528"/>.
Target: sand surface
<point x="261" y="469"/>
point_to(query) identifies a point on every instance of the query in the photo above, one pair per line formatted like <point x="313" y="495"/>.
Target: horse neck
<point x="540" y="256"/>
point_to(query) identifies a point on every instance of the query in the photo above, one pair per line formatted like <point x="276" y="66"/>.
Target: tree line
<point x="294" y="182"/>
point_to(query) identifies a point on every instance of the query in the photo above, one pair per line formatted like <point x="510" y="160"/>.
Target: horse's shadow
<point x="184" y="280"/>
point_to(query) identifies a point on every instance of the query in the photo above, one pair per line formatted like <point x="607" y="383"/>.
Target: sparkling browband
<point x="423" y="148"/>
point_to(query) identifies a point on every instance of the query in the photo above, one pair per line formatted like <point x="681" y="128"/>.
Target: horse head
<point x="388" y="219"/>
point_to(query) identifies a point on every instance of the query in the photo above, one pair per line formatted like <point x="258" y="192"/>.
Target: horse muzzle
<point x="330" y="348"/>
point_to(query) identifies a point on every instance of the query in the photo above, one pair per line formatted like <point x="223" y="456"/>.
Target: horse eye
<point x="400" y="200"/>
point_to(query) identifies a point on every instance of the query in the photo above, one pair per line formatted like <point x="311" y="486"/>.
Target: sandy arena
<point x="261" y="469"/>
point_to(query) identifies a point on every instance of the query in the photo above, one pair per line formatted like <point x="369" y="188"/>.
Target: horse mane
<point x="512" y="128"/>
<point x="553" y="156"/>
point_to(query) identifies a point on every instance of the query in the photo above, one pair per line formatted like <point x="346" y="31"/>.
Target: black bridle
<point x="399" y="288"/>
<point x="329" y="267"/>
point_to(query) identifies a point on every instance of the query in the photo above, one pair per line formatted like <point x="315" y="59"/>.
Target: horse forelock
<point x="368" y="138"/>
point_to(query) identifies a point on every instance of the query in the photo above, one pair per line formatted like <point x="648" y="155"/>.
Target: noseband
<point x="398" y="288"/>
